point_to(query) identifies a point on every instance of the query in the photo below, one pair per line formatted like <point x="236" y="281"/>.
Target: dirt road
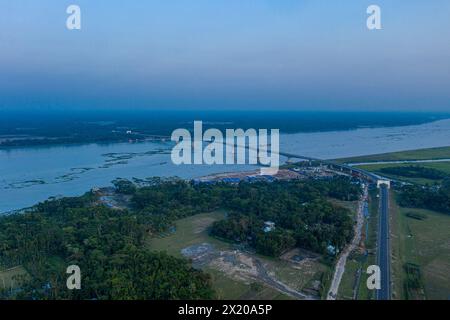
<point x="340" y="265"/>
<point x="278" y="285"/>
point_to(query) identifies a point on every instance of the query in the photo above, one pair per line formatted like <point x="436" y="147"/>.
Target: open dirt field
<point x="238" y="273"/>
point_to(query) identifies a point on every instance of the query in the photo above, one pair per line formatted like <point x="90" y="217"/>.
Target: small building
<point x="95" y="190"/>
<point x="331" y="250"/>
<point x="231" y="180"/>
<point x="251" y="179"/>
<point x="268" y="178"/>
<point x="269" y="226"/>
<point x="201" y="181"/>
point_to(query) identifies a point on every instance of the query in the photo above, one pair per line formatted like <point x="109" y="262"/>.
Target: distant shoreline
<point x="47" y="129"/>
<point x="52" y="165"/>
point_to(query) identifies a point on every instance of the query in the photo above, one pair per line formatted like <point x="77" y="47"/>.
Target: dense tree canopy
<point x="302" y="215"/>
<point x="415" y="172"/>
<point x="435" y="198"/>
<point x="109" y="245"/>
<point x="106" y="244"/>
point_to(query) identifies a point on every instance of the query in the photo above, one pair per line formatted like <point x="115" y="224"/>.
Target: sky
<point x="225" y="54"/>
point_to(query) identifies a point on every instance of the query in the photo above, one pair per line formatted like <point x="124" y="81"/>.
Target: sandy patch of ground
<point x="240" y="266"/>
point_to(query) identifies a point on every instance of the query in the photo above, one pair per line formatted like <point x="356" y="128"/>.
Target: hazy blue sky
<point x="301" y="54"/>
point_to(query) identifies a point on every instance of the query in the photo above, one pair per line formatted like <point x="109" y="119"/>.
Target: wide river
<point x="30" y="175"/>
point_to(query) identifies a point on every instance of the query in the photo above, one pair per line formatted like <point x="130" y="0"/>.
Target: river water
<point x="30" y="175"/>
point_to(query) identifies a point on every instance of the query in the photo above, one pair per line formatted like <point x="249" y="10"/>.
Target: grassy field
<point x="425" y="243"/>
<point x="297" y="278"/>
<point x="350" y="205"/>
<point x="348" y="279"/>
<point x="230" y="289"/>
<point x="194" y="230"/>
<point x="421" y="154"/>
<point x="189" y="231"/>
<point x="7" y="277"/>
<point x="442" y="166"/>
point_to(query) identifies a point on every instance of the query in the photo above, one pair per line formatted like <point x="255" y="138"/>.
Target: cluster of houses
<point x="320" y="172"/>
<point x="269" y="226"/>
<point x="236" y="180"/>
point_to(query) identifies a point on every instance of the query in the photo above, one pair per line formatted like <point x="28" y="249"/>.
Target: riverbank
<point x="31" y="175"/>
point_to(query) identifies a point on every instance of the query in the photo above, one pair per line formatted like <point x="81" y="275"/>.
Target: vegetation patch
<point x="10" y="279"/>
<point x="416" y="215"/>
<point x="393" y="171"/>
<point x="414" y="172"/>
<point x="111" y="245"/>
<point x="413" y="282"/>
<point x="276" y="217"/>
<point x="432" y="198"/>
<point x="107" y="245"/>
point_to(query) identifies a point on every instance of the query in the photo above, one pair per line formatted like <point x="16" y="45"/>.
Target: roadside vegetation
<point x="414" y="172"/>
<point x="418" y="173"/>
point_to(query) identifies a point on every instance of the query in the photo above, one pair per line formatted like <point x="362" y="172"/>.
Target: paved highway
<point x="383" y="255"/>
